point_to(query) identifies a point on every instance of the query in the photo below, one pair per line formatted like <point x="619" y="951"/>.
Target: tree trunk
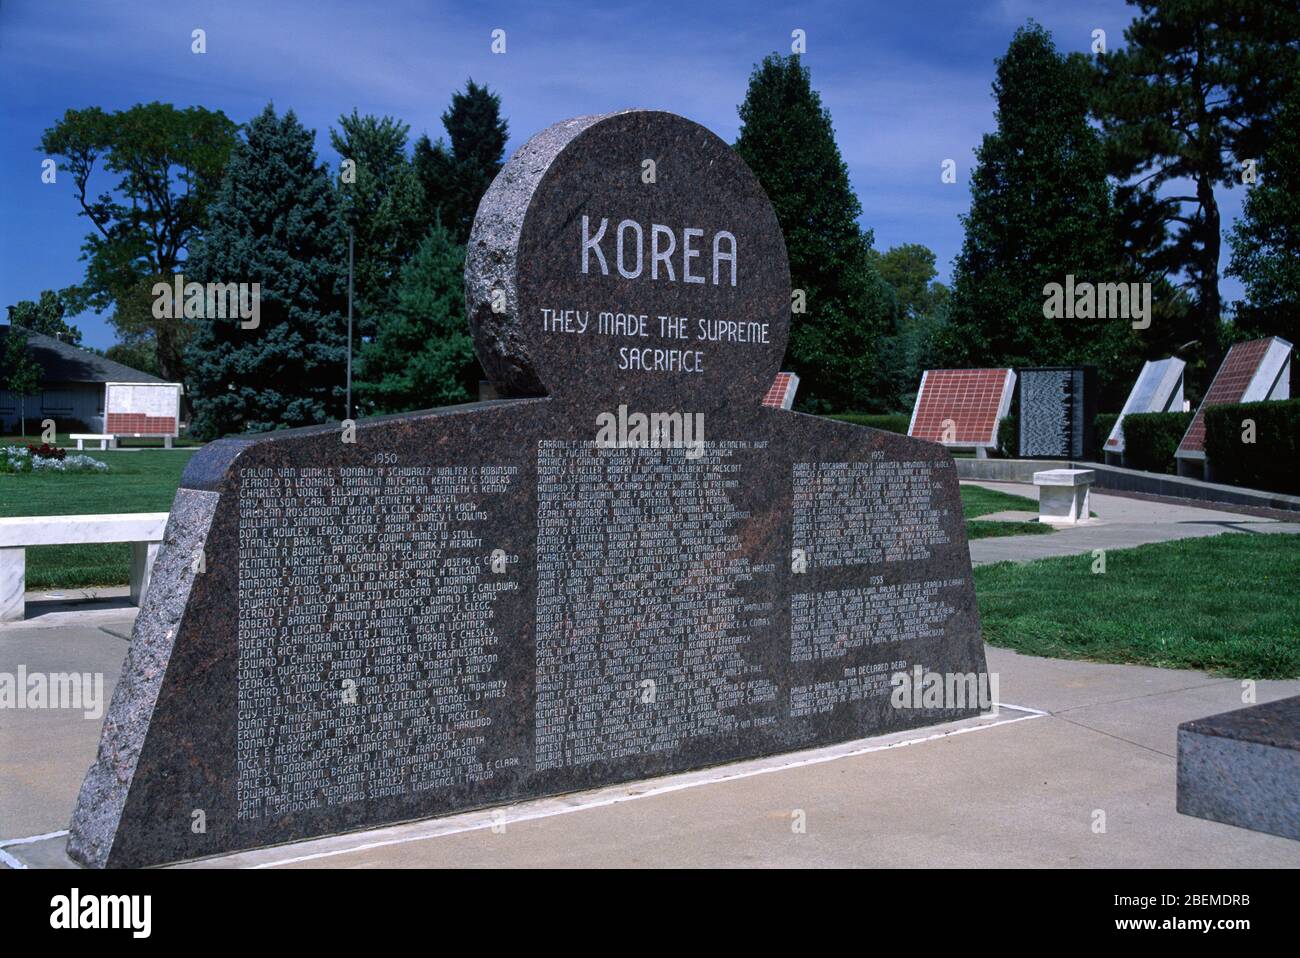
<point x="1209" y="303"/>
<point x="1207" y="264"/>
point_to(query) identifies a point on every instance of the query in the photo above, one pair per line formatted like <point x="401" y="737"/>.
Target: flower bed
<point x="17" y="460"/>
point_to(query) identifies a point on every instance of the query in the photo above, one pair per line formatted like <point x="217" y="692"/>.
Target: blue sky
<point x="907" y="84"/>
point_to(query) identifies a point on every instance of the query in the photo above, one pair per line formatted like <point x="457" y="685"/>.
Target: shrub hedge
<point x="1271" y="461"/>
<point x="1151" y="438"/>
<point x="1102" y="424"/>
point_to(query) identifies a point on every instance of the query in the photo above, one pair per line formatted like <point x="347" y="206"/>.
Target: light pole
<point x="348" y="410"/>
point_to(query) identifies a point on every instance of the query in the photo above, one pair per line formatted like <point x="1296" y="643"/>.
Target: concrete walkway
<point x="1121" y="523"/>
<point x="1025" y="789"/>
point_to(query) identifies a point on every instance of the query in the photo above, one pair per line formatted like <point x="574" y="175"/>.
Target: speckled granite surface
<point x="1243" y="767"/>
<point x="725" y="678"/>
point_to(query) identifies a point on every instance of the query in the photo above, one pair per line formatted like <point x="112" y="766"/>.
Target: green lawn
<point x="144" y="481"/>
<point x="63" y="439"/>
<point x="978" y="501"/>
<point x="984" y="529"/>
<point x="1225" y="604"/>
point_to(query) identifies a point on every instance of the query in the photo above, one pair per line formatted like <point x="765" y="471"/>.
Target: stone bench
<point x="1063" y="495"/>
<point x="144" y="530"/>
<point x="109" y="440"/>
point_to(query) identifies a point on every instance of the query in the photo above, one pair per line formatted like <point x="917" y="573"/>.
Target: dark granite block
<point x="487" y="603"/>
<point x="1243" y="768"/>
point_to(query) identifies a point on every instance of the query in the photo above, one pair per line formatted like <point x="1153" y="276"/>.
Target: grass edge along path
<point x="1224" y="604"/>
<point x="977" y="501"/>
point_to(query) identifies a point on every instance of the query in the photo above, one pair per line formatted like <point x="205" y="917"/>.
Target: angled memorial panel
<point x="1251" y="372"/>
<point x="962" y="408"/>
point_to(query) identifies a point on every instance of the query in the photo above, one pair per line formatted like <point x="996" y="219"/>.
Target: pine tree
<point x="1040" y="210"/>
<point x="422" y="355"/>
<point x="1192" y="94"/>
<point x="455" y="177"/>
<point x="275" y="222"/>
<point x="1267" y="237"/>
<point x="383" y="206"/>
<point x="787" y="139"/>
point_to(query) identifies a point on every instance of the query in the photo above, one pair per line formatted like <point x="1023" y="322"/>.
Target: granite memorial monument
<point x="627" y="568"/>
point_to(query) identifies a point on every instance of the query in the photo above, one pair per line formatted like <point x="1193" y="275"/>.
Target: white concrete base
<point x="143" y="555"/>
<point x="496" y="820"/>
<point x="13" y="576"/>
<point x="1063" y="495"/>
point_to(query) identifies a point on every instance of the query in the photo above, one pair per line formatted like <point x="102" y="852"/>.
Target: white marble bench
<point x="106" y="440"/>
<point x="1063" y="495"/>
<point x="144" y="530"/>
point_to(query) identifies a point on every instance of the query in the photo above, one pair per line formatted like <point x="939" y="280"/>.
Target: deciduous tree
<point x="168" y="163"/>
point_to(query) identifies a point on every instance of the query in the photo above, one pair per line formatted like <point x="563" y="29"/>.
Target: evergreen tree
<point x="1193" y="93"/>
<point x="455" y="177"/>
<point x="1040" y="210"/>
<point x="275" y="222"/>
<point x="1266" y="239"/>
<point x="422" y="355"/>
<point x="787" y="139"/>
<point x="383" y="206"/>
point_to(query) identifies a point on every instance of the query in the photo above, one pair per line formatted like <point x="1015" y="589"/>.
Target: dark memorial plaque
<point x="631" y="568"/>
<point x="1057" y="408"/>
